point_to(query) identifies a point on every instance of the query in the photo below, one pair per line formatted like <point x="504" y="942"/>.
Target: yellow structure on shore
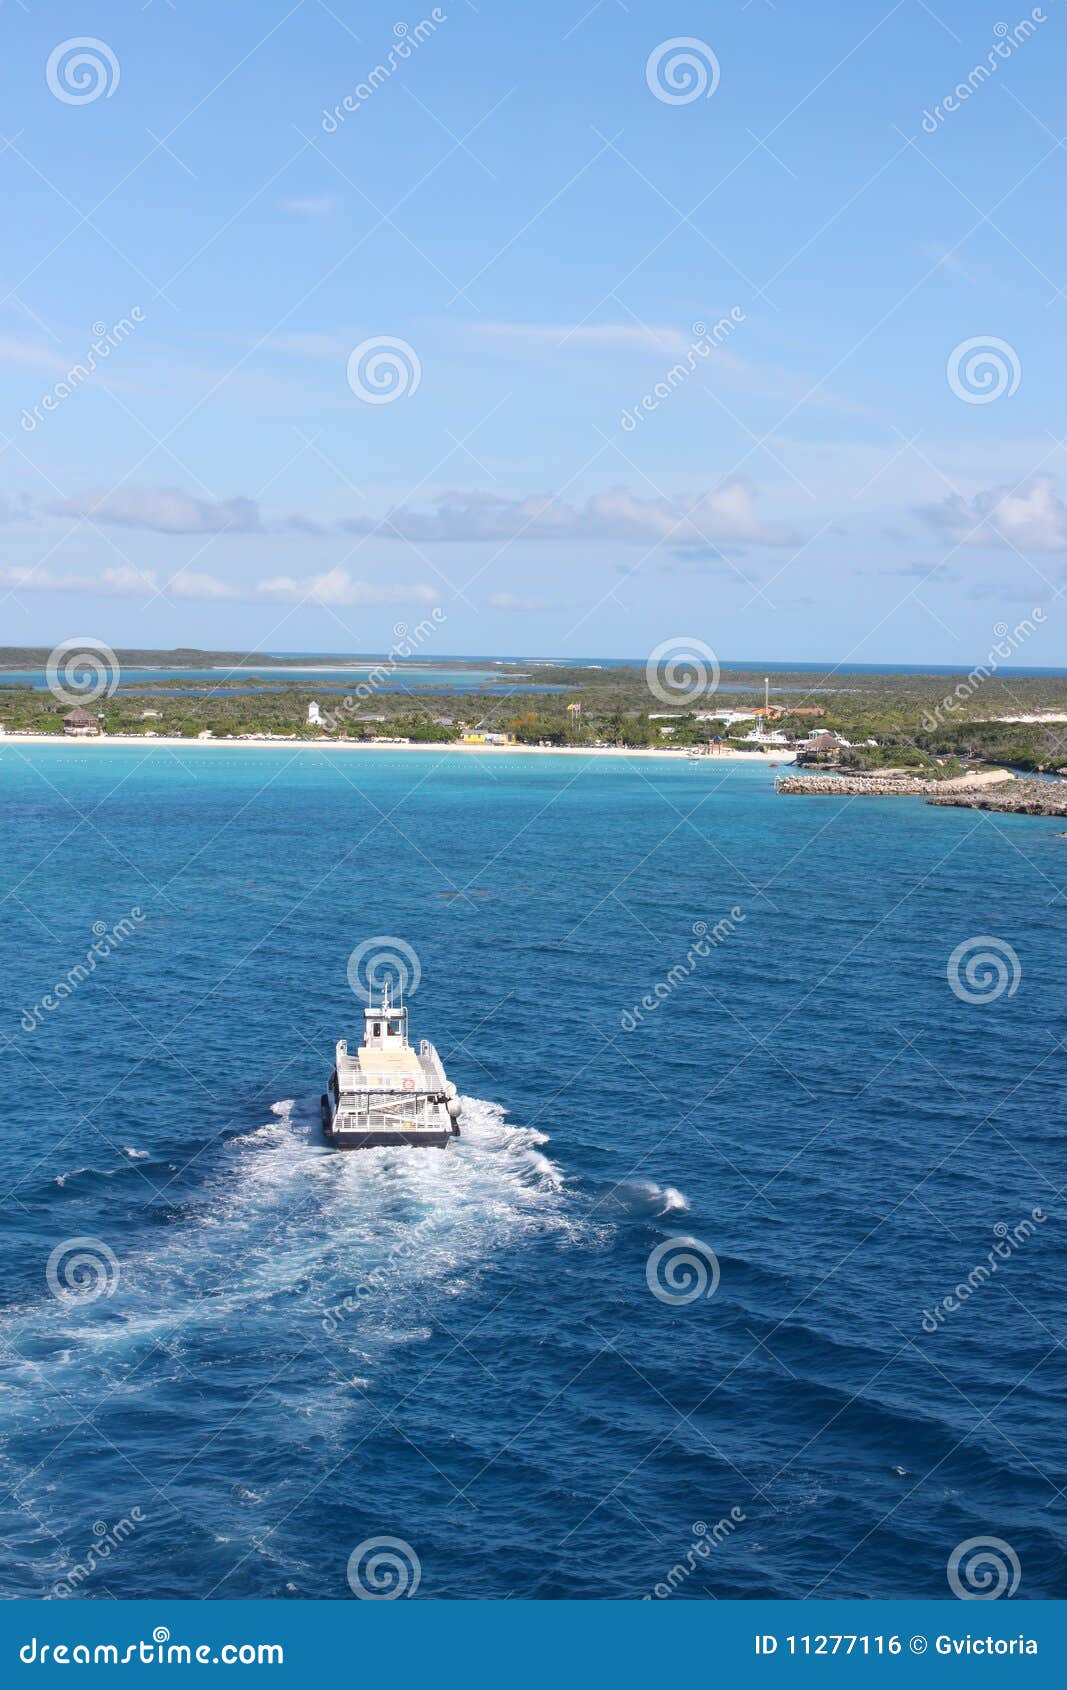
<point x="480" y="736"/>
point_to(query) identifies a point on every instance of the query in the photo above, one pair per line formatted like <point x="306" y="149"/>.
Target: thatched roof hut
<point x="80" y="722"/>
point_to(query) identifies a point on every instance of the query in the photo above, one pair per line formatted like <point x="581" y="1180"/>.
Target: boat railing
<point x="417" y="1107"/>
<point x="373" y="1094"/>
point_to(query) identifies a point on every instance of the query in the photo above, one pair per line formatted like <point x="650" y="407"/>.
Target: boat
<point x="386" y="1093"/>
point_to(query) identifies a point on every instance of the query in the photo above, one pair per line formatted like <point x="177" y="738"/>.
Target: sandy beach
<point x="1037" y="718"/>
<point x="176" y="743"/>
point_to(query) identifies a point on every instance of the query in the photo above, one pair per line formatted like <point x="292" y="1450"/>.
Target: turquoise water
<point x="325" y="676"/>
<point x="303" y="1350"/>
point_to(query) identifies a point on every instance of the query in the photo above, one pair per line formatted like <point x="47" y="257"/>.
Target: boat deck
<point x="387" y="1093"/>
<point x="403" y="1070"/>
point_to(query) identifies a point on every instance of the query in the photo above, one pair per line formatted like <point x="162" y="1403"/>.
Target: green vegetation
<point x="1023" y="745"/>
<point x="918" y="721"/>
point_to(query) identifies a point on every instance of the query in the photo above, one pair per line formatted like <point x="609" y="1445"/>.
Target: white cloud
<point x="336" y="586"/>
<point x="606" y="336"/>
<point x="28" y="580"/>
<point x="166" y="511"/>
<point x="315" y="205"/>
<point x="1030" y="517"/>
<point x="194" y="584"/>
<point x="121" y="582"/>
<point x="724" y="516"/>
<point x="725" y="367"/>
<point x="16" y="510"/>
<point x="13" y="351"/>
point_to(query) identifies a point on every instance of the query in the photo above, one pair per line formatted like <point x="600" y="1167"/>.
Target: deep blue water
<point x="504" y="1392"/>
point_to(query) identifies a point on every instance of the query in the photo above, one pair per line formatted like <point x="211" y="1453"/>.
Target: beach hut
<point x="80" y="724"/>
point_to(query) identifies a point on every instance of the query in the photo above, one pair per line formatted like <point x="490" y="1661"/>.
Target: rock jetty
<point x="986" y="789"/>
<point x="891" y="786"/>
<point x="1021" y="798"/>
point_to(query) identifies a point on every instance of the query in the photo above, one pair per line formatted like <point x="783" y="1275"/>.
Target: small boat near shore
<point x="387" y="1093"/>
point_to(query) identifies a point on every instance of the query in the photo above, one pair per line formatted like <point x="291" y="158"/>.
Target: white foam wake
<point x="315" y="1273"/>
<point x="356" y="1240"/>
<point x="645" y="1197"/>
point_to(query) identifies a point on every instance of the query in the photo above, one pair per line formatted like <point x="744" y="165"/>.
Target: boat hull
<point x="375" y="1137"/>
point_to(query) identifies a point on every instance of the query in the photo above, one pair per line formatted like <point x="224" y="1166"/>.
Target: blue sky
<point x="513" y="200"/>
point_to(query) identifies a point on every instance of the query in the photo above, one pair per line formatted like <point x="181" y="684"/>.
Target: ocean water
<point x="297" y="1350"/>
<point x="324" y="676"/>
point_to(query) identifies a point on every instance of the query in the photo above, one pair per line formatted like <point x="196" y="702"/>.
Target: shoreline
<point x="173" y="742"/>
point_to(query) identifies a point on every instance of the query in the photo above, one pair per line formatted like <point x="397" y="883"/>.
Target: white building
<point x="726" y="717"/>
<point x="824" y="739"/>
<point x="314" y="715"/>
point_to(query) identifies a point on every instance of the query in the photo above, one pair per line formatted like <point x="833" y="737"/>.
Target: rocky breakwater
<point x="897" y="786"/>
<point x="1021" y="798"/>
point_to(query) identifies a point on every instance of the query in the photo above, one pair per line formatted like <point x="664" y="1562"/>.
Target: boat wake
<point x="645" y="1197"/>
<point x="313" y="1240"/>
<point x="296" y="1279"/>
